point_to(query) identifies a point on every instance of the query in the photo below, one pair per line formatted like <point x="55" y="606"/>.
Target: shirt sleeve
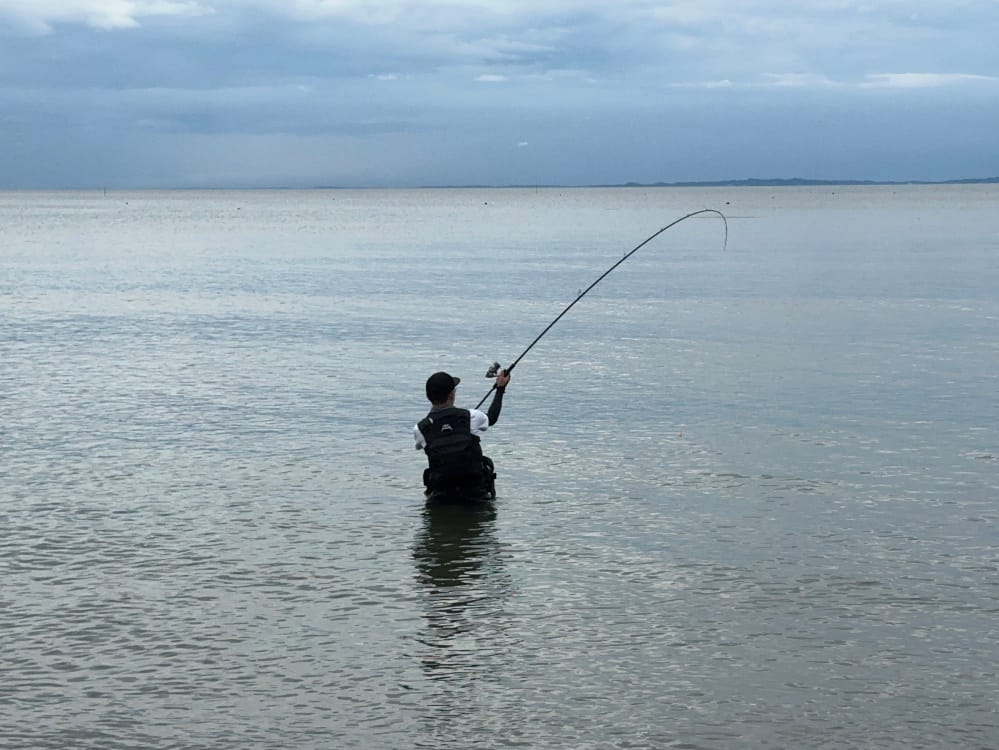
<point x="421" y="443"/>
<point x="479" y="421"/>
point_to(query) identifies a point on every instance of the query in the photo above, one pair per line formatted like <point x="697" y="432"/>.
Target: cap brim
<point x="456" y="380"/>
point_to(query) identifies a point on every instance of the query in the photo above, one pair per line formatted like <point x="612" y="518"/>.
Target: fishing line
<point x="495" y="368"/>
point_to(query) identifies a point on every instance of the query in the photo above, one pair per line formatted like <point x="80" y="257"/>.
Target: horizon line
<point x="742" y="182"/>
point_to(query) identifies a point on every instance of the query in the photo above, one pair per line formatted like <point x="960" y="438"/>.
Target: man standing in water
<point x="450" y="438"/>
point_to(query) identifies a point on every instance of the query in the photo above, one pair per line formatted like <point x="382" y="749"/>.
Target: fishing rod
<point x="495" y="368"/>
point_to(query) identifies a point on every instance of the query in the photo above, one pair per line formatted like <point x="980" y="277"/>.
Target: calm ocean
<point x="747" y="498"/>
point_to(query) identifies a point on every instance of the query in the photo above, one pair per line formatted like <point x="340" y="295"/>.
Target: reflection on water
<point x="454" y="542"/>
<point x="464" y="648"/>
<point x="458" y="565"/>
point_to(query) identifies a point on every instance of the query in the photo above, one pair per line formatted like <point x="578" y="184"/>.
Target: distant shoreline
<point x="776" y="182"/>
<point x="750" y="182"/>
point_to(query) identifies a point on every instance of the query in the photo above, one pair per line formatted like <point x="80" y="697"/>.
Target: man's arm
<point x="502" y="378"/>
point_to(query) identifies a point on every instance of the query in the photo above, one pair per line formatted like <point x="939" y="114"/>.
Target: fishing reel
<point x="494" y="370"/>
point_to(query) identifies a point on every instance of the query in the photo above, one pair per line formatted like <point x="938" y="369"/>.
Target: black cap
<point x="439" y="385"/>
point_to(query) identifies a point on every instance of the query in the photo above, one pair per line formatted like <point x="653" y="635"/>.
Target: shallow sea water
<point x="747" y="498"/>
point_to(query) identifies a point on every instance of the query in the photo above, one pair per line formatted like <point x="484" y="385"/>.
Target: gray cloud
<point x="601" y="92"/>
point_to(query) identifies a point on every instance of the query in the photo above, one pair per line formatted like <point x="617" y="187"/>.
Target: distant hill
<point x="799" y="182"/>
<point x="750" y="182"/>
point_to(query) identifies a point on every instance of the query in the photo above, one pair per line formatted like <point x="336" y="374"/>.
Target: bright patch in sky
<point x="926" y="80"/>
<point x="42" y="15"/>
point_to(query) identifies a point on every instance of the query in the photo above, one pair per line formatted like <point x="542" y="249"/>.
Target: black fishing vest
<point x="453" y="451"/>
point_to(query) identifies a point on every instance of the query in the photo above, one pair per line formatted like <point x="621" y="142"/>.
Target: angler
<point x="450" y="438"/>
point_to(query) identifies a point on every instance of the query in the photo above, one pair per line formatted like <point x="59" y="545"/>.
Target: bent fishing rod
<point x="495" y="368"/>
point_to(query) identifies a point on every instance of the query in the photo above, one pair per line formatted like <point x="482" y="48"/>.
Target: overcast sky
<point x="161" y="93"/>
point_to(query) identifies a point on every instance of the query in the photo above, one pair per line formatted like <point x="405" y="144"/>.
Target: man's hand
<point x="502" y="378"/>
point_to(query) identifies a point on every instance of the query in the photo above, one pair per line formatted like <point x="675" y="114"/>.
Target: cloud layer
<point x="406" y="92"/>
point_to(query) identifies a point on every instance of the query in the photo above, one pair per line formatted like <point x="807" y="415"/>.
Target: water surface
<point x="746" y="498"/>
